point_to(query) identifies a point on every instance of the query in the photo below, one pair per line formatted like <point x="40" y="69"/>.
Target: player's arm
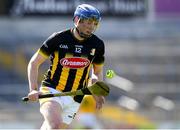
<point x="37" y="59"/>
<point x="98" y="64"/>
<point x="33" y="66"/>
<point x="98" y="72"/>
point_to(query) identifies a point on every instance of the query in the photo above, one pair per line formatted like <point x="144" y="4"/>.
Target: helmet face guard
<point x="86" y="12"/>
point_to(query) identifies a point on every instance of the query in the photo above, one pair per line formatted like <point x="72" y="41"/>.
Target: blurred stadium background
<point x="142" y="40"/>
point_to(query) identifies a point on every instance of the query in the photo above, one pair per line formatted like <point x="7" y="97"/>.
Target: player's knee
<point x="51" y="116"/>
<point x="50" y="110"/>
<point x="55" y="122"/>
<point x="55" y="125"/>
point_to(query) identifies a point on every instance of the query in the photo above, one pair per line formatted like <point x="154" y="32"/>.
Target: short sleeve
<point x="48" y="46"/>
<point x="99" y="57"/>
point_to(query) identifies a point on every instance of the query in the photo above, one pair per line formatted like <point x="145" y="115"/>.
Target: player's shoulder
<point x="96" y="39"/>
<point x="61" y="33"/>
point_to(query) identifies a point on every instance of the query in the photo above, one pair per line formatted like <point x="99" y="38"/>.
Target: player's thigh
<point x="51" y="110"/>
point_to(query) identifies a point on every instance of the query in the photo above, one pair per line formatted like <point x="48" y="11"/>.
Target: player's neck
<point x="76" y="34"/>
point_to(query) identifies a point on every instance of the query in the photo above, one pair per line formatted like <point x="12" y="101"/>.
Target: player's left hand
<point x="100" y="100"/>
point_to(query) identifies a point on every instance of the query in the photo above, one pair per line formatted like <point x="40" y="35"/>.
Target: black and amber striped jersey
<point x="71" y="60"/>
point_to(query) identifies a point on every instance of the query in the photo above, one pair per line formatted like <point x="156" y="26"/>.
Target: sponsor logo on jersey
<point x="74" y="62"/>
<point x="63" y="46"/>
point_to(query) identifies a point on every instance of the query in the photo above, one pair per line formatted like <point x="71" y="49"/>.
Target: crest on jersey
<point x="92" y="51"/>
<point x="74" y="62"/>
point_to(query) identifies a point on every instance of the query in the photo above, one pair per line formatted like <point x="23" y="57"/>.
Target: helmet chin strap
<point x="82" y="35"/>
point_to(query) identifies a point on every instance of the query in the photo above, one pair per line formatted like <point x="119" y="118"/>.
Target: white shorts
<point x="67" y="103"/>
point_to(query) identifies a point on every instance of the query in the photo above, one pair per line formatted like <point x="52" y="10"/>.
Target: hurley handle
<point x="25" y="99"/>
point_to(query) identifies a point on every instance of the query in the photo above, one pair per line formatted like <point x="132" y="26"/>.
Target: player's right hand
<point x="34" y="95"/>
